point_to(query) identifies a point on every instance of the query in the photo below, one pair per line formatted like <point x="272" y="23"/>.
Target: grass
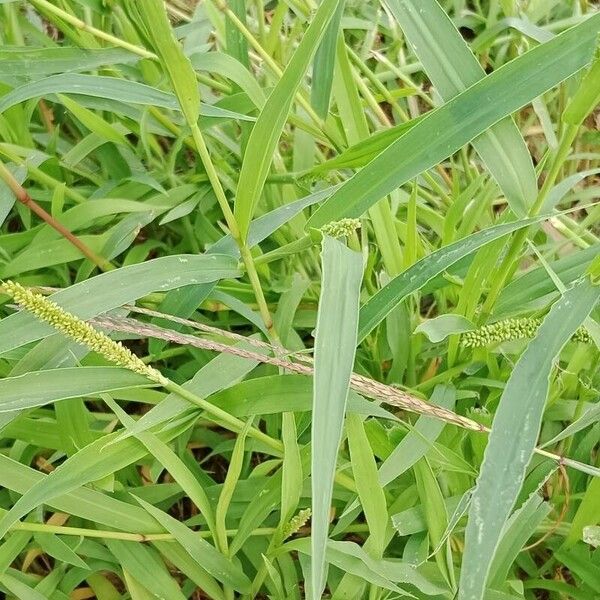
<point x="299" y="300"/>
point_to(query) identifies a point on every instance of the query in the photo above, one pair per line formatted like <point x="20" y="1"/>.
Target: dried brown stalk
<point x="22" y="196"/>
<point x="363" y="385"/>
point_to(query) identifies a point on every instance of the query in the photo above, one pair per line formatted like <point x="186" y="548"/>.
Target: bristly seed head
<point x="341" y="228"/>
<point x="73" y="327"/>
<point x="296" y="522"/>
<point x="508" y="330"/>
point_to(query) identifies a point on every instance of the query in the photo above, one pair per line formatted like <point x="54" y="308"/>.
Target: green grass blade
<point x="55" y="547"/>
<point x="370" y="492"/>
<point x="292" y="475"/>
<point x="514" y="434"/>
<point x="351" y="558"/>
<point x="228" y="66"/>
<point x="220" y="373"/>
<point x="103" y="126"/>
<point x="447" y="129"/>
<point x="110" y="88"/>
<point x="111" y="290"/>
<point x="42" y="387"/>
<point x="62" y="59"/>
<point x="335" y="346"/>
<point x="153" y="17"/>
<point x="92" y="463"/>
<point x="258" y="510"/>
<point x="415" y="277"/>
<point x="178" y="556"/>
<point x="235" y="42"/>
<point x="172" y="463"/>
<point x="203" y="553"/>
<point x="92" y="121"/>
<point x="521" y="294"/>
<point x="144" y="563"/>
<point x="452" y="68"/>
<point x="268" y="127"/>
<point x="419" y="440"/>
<point x="19" y="588"/>
<point x="136" y="590"/>
<point x="580" y="563"/>
<point x="281" y="393"/>
<point x="358" y="155"/>
<point x="520" y="527"/>
<point x="234" y="471"/>
<point x="264" y="226"/>
<point x="323" y="64"/>
<point x="435" y="513"/>
<point x="86" y="503"/>
<point x="12" y="547"/>
<point x="590" y="417"/>
<point x="586" y="515"/>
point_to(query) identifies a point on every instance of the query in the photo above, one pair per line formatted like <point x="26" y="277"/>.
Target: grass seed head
<point x="73" y="327"/>
<point x="509" y="330"/>
<point x="341" y="228"/>
<point x="297" y="522"/>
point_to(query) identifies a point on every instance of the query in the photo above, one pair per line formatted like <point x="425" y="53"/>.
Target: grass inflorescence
<point x="509" y="330"/>
<point x="78" y="330"/>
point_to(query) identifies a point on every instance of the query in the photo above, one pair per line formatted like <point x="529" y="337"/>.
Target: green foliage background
<point x="353" y="247"/>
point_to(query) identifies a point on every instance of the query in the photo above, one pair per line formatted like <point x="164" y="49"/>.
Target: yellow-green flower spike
<point x="510" y="329"/>
<point x="296" y="522"/>
<point x="341" y="228"/>
<point x="73" y="327"/>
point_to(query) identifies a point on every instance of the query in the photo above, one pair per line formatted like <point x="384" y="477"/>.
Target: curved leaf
<point x="514" y="433"/>
<point x="42" y="387"/>
<point x="110" y="88"/>
<point x="452" y="68"/>
<point x="115" y="288"/>
<point x="415" y="277"/>
<point x="447" y="129"/>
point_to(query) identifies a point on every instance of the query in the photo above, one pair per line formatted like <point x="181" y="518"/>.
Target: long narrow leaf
<point x="268" y="127"/>
<point x="447" y="129"/>
<point x="335" y="346"/>
<point x="116" y="288"/>
<point x="452" y="68"/>
<point x="415" y="277"/>
<point x="514" y="434"/>
<point x="322" y="72"/>
<point x="42" y="387"/>
<point x="201" y="551"/>
<point x="153" y="16"/>
<point x="45" y="61"/>
<point x="110" y="88"/>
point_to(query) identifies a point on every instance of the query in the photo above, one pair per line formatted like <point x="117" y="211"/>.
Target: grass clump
<point x="224" y="226"/>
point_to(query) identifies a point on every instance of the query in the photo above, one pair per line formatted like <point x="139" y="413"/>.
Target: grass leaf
<point x="42" y="387"/>
<point x="323" y="64"/>
<point x="416" y="276"/>
<point x="158" y="28"/>
<point x="514" y="434"/>
<point x="110" y="88"/>
<point x="452" y="68"/>
<point x="267" y="129"/>
<point x="335" y="343"/>
<point x="370" y="492"/>
<point x="203" y="553"/>
<point x="446" y="129"/>
<point x="111" y="290"/>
